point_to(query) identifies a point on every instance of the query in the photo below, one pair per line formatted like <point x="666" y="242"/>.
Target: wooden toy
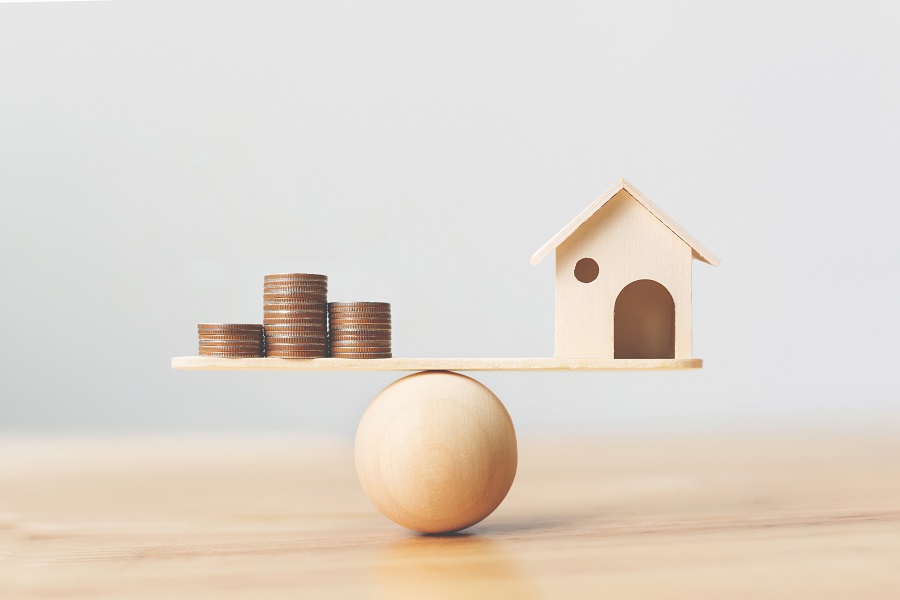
<point x="623" y="280"/>
<point x="436" y="451"/>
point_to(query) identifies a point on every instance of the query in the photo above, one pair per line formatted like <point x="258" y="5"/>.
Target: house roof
<point x="700" y="251"/>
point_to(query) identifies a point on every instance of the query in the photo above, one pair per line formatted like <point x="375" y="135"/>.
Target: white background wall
<point x="156" y="159"/>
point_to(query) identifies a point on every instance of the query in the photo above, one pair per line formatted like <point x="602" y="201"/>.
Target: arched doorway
<point x="644" y="321"/>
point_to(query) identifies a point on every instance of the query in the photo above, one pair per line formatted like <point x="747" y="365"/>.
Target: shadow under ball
<point x="436" y="452"/>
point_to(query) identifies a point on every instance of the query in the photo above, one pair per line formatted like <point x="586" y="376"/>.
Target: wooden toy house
<point x="623" y="280"/>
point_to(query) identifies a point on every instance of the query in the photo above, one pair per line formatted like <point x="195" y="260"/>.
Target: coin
<point x="366" y="355"/>
<point x="360" y="335"/>
<point x="296" y="354"/>
<point x="296" y="348"/>
<point x="346" y="305"/>
<point x="356" y="349"/>
<point x="281" y="327"/>
<point x="296" y="276"/>
<point x="270" y="321"/>
<point x="293" y="295"/>
<point x="361" y="340"/>
<point x="231" y="354"/>
<point x="227" y="326"/>
<point x="294" y="304"/>
<point x="293" y="288"/>
<point x="358" y="307"/>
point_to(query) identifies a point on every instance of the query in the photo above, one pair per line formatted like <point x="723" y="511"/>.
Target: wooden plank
<point x="205" y="363"/>
<point x="211" y="517"/>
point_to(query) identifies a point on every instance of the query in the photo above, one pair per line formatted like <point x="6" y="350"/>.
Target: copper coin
<point x="306" y="296"/>
<point x="282" y="327"/>
<point x="297" y="348"/>
<point x="281" y="303"/>
<point x="297" y="354"/>
<point x="386" y="305"/>
<point x="361" y="350"/>
<point x="300" y="283"/>
<point x="232" y="354"/>
<point x="360" y="356"/>
<point x="296" y="335"/>
<point x="321" y="294"/>
<point x="363" y="320"/>
<point x="359" y="318"/>
<point x="358" y="311"/>
<point x="270" y="321"/>
<point x="314" y="276"/>
<point x="295" y="281"/>
<point x="360" y="335"/>
<point x="294" y="318"/>
<point x="231" y="340"/>
<point x="293" y="312"/>
<point x="294" y="288"/>
<point x="244" y="344"/>
<point x="228" y="326"/>
<point x="298" y="302"/>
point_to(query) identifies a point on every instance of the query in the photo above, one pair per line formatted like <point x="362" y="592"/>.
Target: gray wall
<point x="157" y="159"/>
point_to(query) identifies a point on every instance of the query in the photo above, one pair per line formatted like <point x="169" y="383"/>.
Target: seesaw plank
<point x="203" y="363"/>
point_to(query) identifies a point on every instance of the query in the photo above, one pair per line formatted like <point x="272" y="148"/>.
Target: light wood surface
<point x="629" y="244"/>
<point x="436" y="452"/>
<point x="206" y="363"/>
<point x="732" y="516"/>
<point x="700" y="251"/>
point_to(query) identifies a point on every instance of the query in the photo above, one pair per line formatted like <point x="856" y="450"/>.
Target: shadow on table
<point x="461" y="565"/>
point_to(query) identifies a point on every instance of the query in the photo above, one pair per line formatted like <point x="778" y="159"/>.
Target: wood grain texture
<point x="798" y="516"/>
<point x="436" y="452"/>
<point x="206" y="363"/>
<point x="629" y="244"/>
<point x="699" y="250"/>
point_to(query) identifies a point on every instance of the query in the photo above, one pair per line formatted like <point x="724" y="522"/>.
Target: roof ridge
<point x="623" y="184"/>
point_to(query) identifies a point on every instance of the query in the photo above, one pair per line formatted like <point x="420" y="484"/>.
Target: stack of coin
<point x="229" y="340"/>
<point x="360" y="329"/>
<point x="294" y="315"/>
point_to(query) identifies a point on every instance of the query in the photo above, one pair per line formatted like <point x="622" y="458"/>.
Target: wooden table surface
<point x="729" y="516"/>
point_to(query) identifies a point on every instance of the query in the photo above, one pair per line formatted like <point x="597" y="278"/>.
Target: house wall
<point x="628" y="243"/>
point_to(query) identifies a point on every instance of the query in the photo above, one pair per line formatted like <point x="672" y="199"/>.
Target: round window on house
<point x="586" y="270"/>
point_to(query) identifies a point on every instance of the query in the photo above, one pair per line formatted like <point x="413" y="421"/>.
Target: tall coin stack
<point x="295" y="315"/>
<point x="360" y="329"/>
<point x="230" y="340"/>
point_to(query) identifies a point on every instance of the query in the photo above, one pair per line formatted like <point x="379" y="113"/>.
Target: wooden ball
<point x="436" y="452"/>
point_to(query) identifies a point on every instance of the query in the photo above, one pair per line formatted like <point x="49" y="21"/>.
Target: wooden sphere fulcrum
<point x="436" y="452"/>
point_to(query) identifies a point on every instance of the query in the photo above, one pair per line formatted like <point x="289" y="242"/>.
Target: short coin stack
<point x="360" y="329"/>
<point x="294" y="315"/>
<point x="230" y="340"/>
